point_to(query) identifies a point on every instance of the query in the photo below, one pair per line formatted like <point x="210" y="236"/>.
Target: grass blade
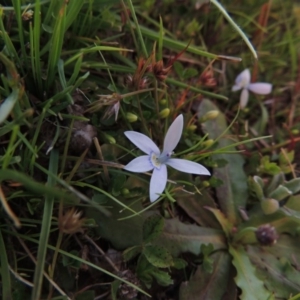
<point x="235" y="26"/>
<point x="17" y="9"/>
<point x="35" y="44"/>
<point x="5" y="275"/>
<point x="56" y="43"/>
<point x="138" y="29"/>
<point x="45" y="230"/>
<point x="7" y="106"/>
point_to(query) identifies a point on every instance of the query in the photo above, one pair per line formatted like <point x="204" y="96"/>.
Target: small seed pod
<point x="110" y="139"/>
<point x="192" y="128"/>
<point x="163" y="102"/>
<point x="266" y="235"/>
<point x="210" y="115"/>
<point x="71" y="222"/>
<point x="131" y="117"/>
<point x="269" y="206"/>
<point x="208" y="143"/>
<point x="207" y="78"/>
<point x="205" y="183"/>
<point x="164" y="113"/>
<point x="125" y="192"/>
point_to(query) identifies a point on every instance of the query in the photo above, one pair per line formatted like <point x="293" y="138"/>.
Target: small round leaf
<point x="152" y="228"/>
<point x="158" y="256"/>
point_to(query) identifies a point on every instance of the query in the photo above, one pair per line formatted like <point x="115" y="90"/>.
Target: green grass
<point x="75" y="75"/>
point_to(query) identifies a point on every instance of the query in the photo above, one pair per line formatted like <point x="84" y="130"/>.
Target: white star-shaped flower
<point x="158" y="161"/>
<point x="242" y="81"/>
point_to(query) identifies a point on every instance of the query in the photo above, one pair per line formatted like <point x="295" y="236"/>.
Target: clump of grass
<point x="75" y="75"/>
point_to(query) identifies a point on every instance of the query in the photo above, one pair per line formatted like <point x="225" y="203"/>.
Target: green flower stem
<point x="235" y="26"/>
<point x="45" y="230"/>
<point x="26" y="6"/>
<point x="139" y="33"/>
<point x="54" y="260"/>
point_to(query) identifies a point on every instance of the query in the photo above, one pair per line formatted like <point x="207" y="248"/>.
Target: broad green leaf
<point x="163" y="278"/>
<point x="224" y="222"/>
<point x="207" y="264"/>
<point x="178" y="67"/>
<point x="121" y="234"/>
<point x="196" y="207"/>
<point x="277" y="272"/>
<point x="158" y="256"/>
<point x="286" y="246"/>
<point x="131" y="252"/>
<point x="260" y="126"/>
<point x="286" y="157"/>
<point x="205" y="286"/>
<point x="207" y="250"/>
<point x="213" y="181"/>
<point x="293" y="185"/>
<point x="146" y="272"/>
<point x="190" y="72"/>
<point x="179" y="263"/>
<point x="117" y="183"/>
<point x="268" y="167"/>
<point x="255" y="185"/>
<point x="246" y="279"/>
<point x="280" y="193"/>
<point x="233" y="194"/>
<point x="293" y="203"/>
<point x="275" y="182"/>
<point x="282" y="220"/>
<point x="152" y="228"/>
<point x="259" y="181"/>
<point x="178" y="237"/>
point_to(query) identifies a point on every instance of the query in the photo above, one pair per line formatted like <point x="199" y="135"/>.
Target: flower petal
<point x="244" y="98"/>
<point x="173" y="135"/>
<point x="158" y="182"/>
<point x="142" y="142"/>
<point x="242" y="80"/>
<point x="187" y="166"/>
<point x="236" y="88"/>
<point x="260" y="88"/>
<point x="139" y="165"/>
